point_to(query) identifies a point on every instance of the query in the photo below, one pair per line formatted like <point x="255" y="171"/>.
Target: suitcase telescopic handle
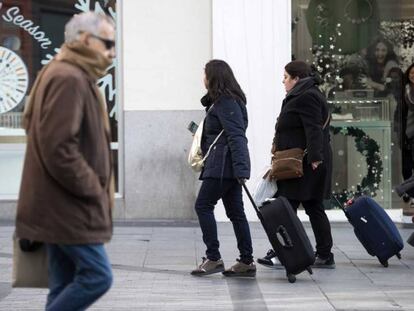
<point x="242" y="182"/>
<point x="341" y="206"/>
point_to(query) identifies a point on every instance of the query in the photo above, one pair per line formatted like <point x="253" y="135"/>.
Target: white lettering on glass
<point x="12" y="16"/>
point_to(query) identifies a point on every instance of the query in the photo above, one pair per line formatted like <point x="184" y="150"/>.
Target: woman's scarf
<point x="301" y="86"/>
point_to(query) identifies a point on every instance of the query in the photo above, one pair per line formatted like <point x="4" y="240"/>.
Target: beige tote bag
<point x="29" y="268"/>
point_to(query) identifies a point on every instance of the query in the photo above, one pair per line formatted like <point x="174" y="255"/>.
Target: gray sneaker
<point x="208" y="266"/>
<point x="241" y="269"/>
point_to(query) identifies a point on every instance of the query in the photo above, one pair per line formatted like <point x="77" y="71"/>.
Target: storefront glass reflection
<point x="361" y="48"/>
<point x="31" y="33"/>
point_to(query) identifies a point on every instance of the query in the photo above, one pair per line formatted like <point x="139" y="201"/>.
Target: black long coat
<point x="229" y="157"/>
<point x="303" y="114"/>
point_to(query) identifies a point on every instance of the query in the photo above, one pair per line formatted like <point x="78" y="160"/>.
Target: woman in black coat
<point x="304" y="123"/>
<point x="227" y="164"/>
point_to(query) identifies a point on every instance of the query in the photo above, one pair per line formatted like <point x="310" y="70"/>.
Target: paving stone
<point x="152" y="260"/>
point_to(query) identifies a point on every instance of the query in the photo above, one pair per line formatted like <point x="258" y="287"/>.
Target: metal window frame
<point x="120" y="100"/>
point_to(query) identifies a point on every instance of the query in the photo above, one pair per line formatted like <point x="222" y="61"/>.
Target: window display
<point x="31" y="33"/>
<point x="360" y="48"/>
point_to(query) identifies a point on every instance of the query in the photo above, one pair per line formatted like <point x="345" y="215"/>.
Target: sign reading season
<point x="12" y="15"/>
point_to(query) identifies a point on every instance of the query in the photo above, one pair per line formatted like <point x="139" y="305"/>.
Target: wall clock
<point x="14" y="80"/>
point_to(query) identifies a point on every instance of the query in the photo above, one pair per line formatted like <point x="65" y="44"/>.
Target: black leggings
<point x="320" y="225"/>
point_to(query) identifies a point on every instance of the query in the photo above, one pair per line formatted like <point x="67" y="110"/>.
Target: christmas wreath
<point x="370" y="149"/>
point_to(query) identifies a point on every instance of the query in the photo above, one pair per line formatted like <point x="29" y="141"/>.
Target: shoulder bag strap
<point x="327" y="120"/>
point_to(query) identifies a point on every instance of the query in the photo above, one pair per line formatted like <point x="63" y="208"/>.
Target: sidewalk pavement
<point x="152" y="260"/>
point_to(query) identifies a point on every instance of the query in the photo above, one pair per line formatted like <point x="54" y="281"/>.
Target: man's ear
<point x="84" y="38"/>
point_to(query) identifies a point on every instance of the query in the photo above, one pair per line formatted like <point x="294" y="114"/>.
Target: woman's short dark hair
<point x="221" y="81"/>
<point x="298" y="68"/>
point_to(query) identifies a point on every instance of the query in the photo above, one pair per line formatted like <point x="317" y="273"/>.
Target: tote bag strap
<point x="211" y="146"/>
<point x="215" y="140"/>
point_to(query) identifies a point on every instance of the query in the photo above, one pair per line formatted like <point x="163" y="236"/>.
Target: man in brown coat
<point x="66" y="193"/>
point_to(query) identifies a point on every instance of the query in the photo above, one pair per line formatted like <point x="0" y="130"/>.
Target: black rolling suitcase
<point x="373" y="228"/>
<point x="286" y="235"/>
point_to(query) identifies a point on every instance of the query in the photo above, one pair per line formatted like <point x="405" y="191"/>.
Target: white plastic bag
<point x="264" y="188"/>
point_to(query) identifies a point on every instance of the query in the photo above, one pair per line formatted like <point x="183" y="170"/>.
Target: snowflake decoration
<point x="84" y="6"/>
<point x="49" y="57"/>
<point x="328" y="62"/>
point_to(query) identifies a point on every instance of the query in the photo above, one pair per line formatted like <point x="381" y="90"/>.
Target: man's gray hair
<point x="85" y="22"/>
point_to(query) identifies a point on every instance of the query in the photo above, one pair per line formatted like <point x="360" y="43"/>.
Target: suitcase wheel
<point x="406" y="198"/>
<point x="291" y="278"/>
<point x="384" y="263"/>
<point x="309" y="269"/>
<point x="399" y="256"/>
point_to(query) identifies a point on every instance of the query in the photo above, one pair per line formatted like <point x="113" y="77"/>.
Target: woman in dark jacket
<point x="301" y="124"/>
<point x="227" y="163"/>
<point x="404" y="122"/>
<point x="404" y="126"/>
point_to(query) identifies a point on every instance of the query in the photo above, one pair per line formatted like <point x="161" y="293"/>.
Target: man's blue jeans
<point x="78" y="276"/>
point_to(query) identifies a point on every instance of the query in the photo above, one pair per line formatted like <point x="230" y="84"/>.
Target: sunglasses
<point x="109" y="44"/>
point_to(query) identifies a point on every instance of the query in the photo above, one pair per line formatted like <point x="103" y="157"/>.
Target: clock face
<point x="14" y="79"/>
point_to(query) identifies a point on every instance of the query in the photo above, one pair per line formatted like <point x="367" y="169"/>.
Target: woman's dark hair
<point x="371" y="51"/>
<point x="407" y="74"/>
<point x="376" y="72"/>
<point x="300" y="69"/>
<point x="221" y="81"/>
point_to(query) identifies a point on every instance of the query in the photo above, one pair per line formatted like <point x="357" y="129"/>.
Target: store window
<point x="31" y="33"/>
<point x="361" y="49"/>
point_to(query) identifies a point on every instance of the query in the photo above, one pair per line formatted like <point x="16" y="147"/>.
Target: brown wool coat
<point x="64" y="195"/>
